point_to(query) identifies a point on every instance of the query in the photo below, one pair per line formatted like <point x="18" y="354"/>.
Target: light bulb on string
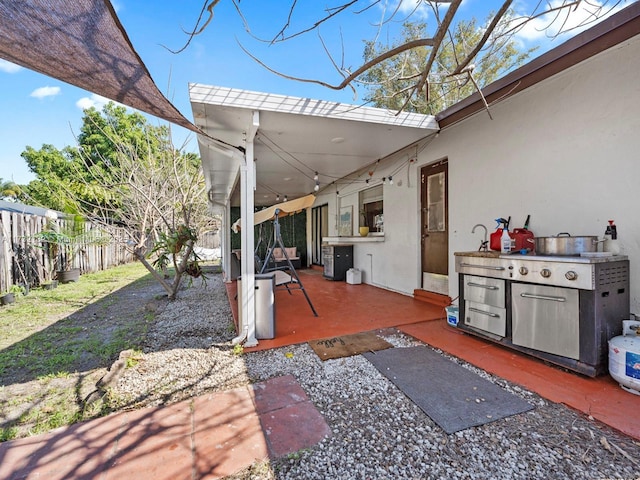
<point x="315" y="177"/>
<point x="317" y="187"/>
<point x="285" y="198"/>
<point x="384" y="180"/>
<point x="278" y="197"/>
<point x="390" y="180"/>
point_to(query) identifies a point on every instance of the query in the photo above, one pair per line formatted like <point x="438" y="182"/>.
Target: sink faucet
<point x="484" y="243"/>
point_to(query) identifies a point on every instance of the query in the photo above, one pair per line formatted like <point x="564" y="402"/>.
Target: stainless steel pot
<point x="565" y="244"/>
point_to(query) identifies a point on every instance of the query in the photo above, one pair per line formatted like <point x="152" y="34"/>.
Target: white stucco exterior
<point x="566" y="151"/>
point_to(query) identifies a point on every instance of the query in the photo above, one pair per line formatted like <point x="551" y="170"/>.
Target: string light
<point x="317" y="187"/>
<point x="278" y="197"/>
<point x="384" y="180"/>
<point x="315" y="177"/>
<point x="390" y="180"/>
<point x="285" y="198"/>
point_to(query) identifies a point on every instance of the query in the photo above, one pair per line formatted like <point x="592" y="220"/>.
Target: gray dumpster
<point x="265" y="305"/>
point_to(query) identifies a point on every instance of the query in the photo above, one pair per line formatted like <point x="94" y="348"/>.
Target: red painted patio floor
<point x="344" y="309"/>
<point x="208" y="437"/>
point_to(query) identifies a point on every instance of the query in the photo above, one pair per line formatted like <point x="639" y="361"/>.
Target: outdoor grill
<point x="562" y="309"/>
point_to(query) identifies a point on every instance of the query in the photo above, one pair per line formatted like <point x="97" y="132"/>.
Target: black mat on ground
<point x="452" y="396"/>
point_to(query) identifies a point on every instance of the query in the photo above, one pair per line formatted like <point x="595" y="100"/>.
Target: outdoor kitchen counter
<point x="478" y="254"/>
<point x="561" y="309"/>
<point x="542" y="258"/>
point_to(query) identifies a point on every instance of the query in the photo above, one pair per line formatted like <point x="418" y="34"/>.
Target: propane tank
<point x="624" y="357"/>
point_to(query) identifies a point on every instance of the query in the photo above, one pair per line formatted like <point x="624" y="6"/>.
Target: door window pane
<point x="435" y="203"/>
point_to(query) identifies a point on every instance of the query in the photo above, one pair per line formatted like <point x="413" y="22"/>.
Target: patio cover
<point x="83" y="43"/>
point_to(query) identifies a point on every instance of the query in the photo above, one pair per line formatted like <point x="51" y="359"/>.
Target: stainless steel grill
<point x="561" y="309"/>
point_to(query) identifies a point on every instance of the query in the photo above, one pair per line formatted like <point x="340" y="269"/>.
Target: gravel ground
<point x="377" y="432"/>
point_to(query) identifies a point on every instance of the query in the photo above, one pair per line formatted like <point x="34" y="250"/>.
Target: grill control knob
<point x="545" y="272"/>
<point x="523" y="270"/>
<point x="571" y="275"/>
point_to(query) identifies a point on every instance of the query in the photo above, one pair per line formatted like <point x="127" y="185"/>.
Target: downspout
<point x="247" y="270"/>
<point x="247" y="188"/>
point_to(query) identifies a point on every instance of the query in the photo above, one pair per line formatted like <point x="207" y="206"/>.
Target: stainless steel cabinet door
<point x="490" y="291"/>
<point x="546" y="319"/>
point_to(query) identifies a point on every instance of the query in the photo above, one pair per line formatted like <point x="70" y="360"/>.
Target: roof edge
<point x="277" y="103"/>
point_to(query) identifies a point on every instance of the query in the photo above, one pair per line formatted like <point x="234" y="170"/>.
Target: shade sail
<point x="82" y="42"/>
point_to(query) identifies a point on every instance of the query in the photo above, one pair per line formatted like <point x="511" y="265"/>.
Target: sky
<point x="38" y="110"/>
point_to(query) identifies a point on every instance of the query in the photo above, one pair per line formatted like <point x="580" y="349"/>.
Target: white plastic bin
<point x="354" y="276"/>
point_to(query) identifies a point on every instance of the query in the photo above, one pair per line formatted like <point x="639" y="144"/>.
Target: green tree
<point x="100" y="129"/>
<point x="128" y="172"/>
<point x="66" y="179"/>
<point x="9" y="190"/>
<point x="390" y="83"/>
<point x="163" y="206"/>
<point x="55" y="173"/>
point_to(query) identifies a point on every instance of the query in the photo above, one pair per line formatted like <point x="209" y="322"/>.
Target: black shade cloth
<point x="82" y="42"/>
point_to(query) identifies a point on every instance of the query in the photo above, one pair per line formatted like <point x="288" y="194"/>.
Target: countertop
<point x="489" y="254"/>
<point x="543" y="258"/>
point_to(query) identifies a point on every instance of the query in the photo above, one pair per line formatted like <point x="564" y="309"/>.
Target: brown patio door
<point x="435" y="219"/>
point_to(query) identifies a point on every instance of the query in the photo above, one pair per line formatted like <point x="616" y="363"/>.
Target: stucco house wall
<point x="566" y="151"/>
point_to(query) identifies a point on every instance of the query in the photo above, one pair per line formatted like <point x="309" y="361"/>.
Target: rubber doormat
<point x="348" y="345"/>
<point x="452" y="396"/>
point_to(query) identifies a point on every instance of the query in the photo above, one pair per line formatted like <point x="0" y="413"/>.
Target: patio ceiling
<point x="296" y="137"/>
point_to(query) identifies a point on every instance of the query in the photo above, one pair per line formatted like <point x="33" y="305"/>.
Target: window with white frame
<point x="371" y="208"/>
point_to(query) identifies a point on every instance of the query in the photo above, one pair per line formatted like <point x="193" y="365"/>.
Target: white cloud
<point x="570" y="20"/>
<point x="9" y="67"/>
<point x="96" y="101"/>
<point x="418" y="7"/>
<point x="404" y="8"/>
<point x="44" y="92"/>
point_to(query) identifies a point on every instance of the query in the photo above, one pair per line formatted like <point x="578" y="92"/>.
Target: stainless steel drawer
<point x="546" y="319"/>
<point x="486" y="317"/>
<point x="490" y="291"/>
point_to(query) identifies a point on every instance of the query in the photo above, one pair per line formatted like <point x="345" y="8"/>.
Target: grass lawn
<point x="56" y="344"/>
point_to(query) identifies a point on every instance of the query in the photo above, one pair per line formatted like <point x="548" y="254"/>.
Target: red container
<point x="496" y="237"/>
<point x="523" y="239"/>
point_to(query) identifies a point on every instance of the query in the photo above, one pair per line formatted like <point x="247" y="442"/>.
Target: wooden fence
<point x="26" y="260"/>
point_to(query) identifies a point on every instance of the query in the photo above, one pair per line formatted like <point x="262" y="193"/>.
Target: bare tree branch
<point x="487" y="34"/>
<point x="197" y="30"/>
<point x="350" y="78"/>
<point x="499" y="31"/>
